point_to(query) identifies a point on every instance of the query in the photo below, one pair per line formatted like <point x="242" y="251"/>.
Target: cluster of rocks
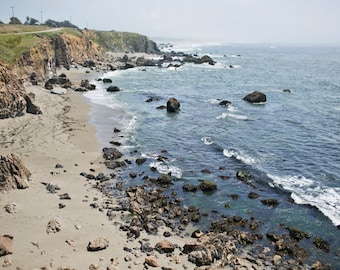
<point x="173" y="59"/>
<point x="231" y="241"/>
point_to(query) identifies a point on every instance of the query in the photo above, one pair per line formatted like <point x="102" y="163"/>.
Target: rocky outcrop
<point x="13" y="173"/>
<point x="6" y="244"/>
<point x="12" y="94"/>
<point x="255" y="97"/>
<point x="173" y="105"/>
<point x="31" y="107"/>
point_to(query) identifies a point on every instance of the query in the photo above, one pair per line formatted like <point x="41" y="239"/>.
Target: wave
<point x="233" y="115"/>
<point x="207" y="140"/>
<point x="241" y="156"/>
<point x="162" y="166"/>
<point x="307" y="191"/>
<point x="165" y="169"/>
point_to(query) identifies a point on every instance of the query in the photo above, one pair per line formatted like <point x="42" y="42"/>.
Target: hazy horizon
<point x="272" y="21"/>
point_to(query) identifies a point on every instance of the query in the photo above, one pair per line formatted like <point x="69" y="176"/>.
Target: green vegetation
<point x="16" y="39"/>
<point x="119" y="41"/>
<point x="13" y="45"/>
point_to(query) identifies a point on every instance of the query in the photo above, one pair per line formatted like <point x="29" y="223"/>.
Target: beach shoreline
<point x="57" y="146"/>
<point x="60" y="147"/>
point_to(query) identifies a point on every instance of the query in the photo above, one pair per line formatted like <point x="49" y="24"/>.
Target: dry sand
<point x="62" y="135"/>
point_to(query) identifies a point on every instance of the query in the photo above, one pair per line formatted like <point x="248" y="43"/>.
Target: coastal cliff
<point x="35" y="56"/>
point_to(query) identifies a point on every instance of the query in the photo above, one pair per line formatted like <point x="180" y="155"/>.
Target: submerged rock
<point x="207" y="186"/>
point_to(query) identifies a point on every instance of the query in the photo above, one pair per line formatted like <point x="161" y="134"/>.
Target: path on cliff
<point x="35" y="32"/>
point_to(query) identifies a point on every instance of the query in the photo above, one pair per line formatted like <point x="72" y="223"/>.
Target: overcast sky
<point x="292" y="21"/>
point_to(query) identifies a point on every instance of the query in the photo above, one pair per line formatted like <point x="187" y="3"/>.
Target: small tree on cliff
<point x="14" y="20"/>
<point x="31" y="21"/>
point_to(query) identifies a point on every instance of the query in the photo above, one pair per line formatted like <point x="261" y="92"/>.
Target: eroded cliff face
<point x="58" y="51"/>
<point x="39" y="63"/>
<point x="12" y="94"/>
<point x="42" y="60"/>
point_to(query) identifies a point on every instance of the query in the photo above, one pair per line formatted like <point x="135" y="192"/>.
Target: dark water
<point x="290" y="144"/>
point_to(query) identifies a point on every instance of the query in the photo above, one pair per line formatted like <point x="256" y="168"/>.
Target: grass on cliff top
<point x="18" y="39"/>
<point x="111" y="40"/>
<point x="20" y="28"/>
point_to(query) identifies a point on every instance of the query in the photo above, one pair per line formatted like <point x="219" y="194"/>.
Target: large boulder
<point x="112" y="88"/>
<point x="172" y="105"/>
<point x="61" y="81"/>
<point x="13" y="173"/>
<point x="255" y="97"/>
<point x="6" y="245"/>
<point x="207" y="186"/>
<point x="142" y="61"/>
<point x="111" y="153"/>
<point x="30" y="106"/>
<point x="97" y="244"/>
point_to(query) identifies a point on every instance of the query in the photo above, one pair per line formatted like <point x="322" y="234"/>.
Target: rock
<point x="165" y="247"/>
<point x="297" y="234"/>
<point x="141" y="61"/>
<point x="114" y="164"/>
<point x="255" y="97"/>
<point x="52" y="188"/>
<point x="59" y="91"/>
<point x="164" y="180"/>
<point x="321" y="244"/>
<point x="11" y="208"/>
<point x="64" y="196"/>
<point x="189" y="188"/>
<point x="6" y="245"/>
<point x="224" y="103"/>
<point x="152" y="261"/>
<point x="63" y="82"/>
<point x="12" y="94"/>
<point x="30" y="106"/>
<point x="242" y="175"/>
<point x="270" y="202"/>
<point x="111" y="153"/>
<point x="207" y="186"/>
<point x="99" y="243"/>
<point x="53" y="226"/>
<point x="107" y="80"/>
<point x="276" y="259"/>
<point x="197" y="234"/>
<point x="112" y="89"/>
<point x="253" y="195"/>
<point x="140" y="161"/>
<point x="87" y="85"/>
<point x="173" y="105"/>
<point x="13" y="173"/>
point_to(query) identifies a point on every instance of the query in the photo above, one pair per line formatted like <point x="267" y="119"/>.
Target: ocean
<point x="290" y="145"/>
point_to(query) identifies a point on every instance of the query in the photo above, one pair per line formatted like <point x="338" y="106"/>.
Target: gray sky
<point x="292" y="21"/>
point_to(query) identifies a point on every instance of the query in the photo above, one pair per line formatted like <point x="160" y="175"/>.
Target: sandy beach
<point x="56" y="147"/>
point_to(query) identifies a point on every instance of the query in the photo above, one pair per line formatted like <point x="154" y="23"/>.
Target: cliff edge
<point x="34" y="56"/>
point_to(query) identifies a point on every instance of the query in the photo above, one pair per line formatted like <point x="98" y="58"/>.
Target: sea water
<point x="289" y="144"/>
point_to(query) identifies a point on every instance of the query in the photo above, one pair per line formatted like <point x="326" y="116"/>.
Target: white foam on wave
<point x="245" y="158"/>
<point x="233" y="115"/>
<point x="165" y="168"/>
<point x="307" y="191"/>
<point x="207" y="140"/>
